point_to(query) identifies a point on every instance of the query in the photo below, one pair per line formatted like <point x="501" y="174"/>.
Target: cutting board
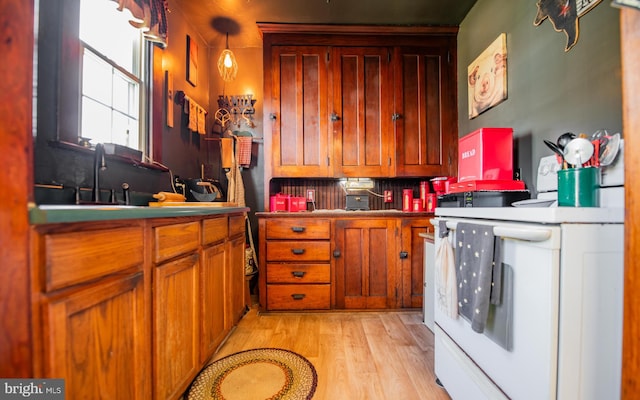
<point x="191" y="204"/>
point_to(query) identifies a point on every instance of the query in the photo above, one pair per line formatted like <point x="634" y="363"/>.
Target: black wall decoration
<point x="564" y="15"/>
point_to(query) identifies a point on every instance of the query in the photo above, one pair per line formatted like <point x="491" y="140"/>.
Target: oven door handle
<point x="507" y="232"/>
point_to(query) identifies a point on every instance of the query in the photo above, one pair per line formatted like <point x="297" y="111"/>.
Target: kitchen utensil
<point x="564" y="139"/>
<point x="578" y="151"/>
<point x="554" y="148"/>
<point x="610" y="151"/>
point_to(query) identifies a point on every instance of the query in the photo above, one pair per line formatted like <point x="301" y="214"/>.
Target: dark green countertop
<point x="49" y="214"/>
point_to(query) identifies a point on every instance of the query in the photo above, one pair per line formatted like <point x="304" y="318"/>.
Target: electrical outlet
<point x="311" y="196"/>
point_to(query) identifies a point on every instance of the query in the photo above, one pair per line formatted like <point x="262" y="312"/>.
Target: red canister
<point x="417" y="205"/>
<point x="407" y="199"/>
<point x="431" y="202"/>
<point x="424" y="189"/>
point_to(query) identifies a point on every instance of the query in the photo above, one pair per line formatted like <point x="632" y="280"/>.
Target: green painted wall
<point x="550" y="91"/>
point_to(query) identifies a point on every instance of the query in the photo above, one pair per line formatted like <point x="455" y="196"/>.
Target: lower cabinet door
<point x="97" y="339"/>
<point x="366" y="276"/>
<point x="176" y="326"/>
<point x="212" y="288"/>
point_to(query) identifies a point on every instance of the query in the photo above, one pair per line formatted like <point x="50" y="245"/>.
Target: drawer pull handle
<point x="297" y="251"/>
<point x="298" y="274"/>
<point x="298" y="229"/>
<point x="298" y="296"/>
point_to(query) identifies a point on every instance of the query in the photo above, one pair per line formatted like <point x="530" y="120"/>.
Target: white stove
<point x="558" y="332"/>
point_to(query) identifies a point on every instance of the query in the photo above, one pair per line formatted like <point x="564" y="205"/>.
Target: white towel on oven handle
<point x="445" y="279"/>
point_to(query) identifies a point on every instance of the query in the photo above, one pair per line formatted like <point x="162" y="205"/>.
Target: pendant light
<point x="227" y="65"/>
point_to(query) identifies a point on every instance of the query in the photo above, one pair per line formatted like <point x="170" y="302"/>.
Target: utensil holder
<point x="578" y="187"/>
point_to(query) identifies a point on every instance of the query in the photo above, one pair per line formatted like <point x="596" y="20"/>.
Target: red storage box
<point x="486" y="154"/>
<point x="279" y="202"/>
<point x="297" y="204"/>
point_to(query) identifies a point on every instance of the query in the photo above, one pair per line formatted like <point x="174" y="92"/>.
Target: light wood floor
<point x="358" y="355"/>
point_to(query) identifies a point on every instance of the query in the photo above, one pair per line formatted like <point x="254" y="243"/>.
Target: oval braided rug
<point x="257" y="374"/>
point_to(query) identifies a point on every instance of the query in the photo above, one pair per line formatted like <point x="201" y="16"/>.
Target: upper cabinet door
<point x="425" y="111"/>
<point x="299" y="111"/>
<point x="361" y="112"/>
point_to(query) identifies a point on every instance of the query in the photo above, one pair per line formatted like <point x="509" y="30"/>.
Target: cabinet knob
<point x="272" y="117"/>
<point x="298" y="274"/>
<point x="336" y="253"/>
<point x="297" y="251"/>
<point x="298" y="296"/>
<point x="404" y="254"/>
<point x="334" y="117"/>
<point x="395" y="116"/>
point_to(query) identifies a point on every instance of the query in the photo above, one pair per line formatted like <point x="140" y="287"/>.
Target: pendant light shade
<point x="227" y="65"/>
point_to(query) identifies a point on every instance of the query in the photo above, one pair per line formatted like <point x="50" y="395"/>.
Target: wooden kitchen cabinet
<point x="359" y="101"/>
<point x="213" y="286"/>
<point x="91" y="321"/>
<point x="176" y="308"/>
<point x="366" y="273"/>
<point x="236" y="284"/>
<point x="356" y="260"/>
<point x="361" y="112"/>
<point x="298" y="79"/>
<point x="134" y="309"/>
<point x="411" y="258"/>
<point x="425" y="109"/>
<point x="296" y="261"/>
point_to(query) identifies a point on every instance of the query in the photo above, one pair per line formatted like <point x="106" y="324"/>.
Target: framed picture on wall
<point x="487" y="77"/>
<point x="192" y="61"/>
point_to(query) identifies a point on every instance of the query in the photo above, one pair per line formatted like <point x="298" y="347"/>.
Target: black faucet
<point x="99" y="164"/>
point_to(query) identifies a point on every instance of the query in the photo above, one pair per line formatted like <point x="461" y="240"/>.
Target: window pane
<point x="125" y="95"/>
<point x="108" y="31"/>
<point x="96" y="78"/>
<point x="96" y="121"/>
<point x="125" y="130"/>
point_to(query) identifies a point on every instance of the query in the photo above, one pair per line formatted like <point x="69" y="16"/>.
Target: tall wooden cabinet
<point x="361" y="113"/>
<point x="425" y="104"/>
<point x="359" y="101"/>
<point x="298" y="114"/>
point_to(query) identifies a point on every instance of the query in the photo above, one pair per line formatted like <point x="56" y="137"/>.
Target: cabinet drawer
<point x="76" y="257"/>
<point x="298" y="250"/>
<point x="290" y="228"/>
<point x="298" y="297"/>
<point x="173" y="240"/>
<point x="236" y="225"/>
<point x="214" y="230"/>
<point x="298" y="273"/>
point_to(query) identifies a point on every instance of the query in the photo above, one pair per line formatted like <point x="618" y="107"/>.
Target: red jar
<point x="407" y="199"/>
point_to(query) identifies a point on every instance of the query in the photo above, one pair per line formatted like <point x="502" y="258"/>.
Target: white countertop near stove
<point x="542" y="215"/>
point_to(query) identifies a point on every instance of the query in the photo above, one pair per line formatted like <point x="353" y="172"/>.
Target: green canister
<point x="578" y="187"/>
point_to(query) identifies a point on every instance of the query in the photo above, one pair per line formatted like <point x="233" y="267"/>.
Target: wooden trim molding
<point x="16" y="164"/>
<point x="630" y="54"/>
<point x="272" y="27"/>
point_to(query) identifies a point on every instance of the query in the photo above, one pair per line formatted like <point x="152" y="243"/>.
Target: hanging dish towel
<point x="244" y="150"/>
<point x="201" y="121"/>
<point x="475" y="245"/>
<point x="445" y="275"/>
